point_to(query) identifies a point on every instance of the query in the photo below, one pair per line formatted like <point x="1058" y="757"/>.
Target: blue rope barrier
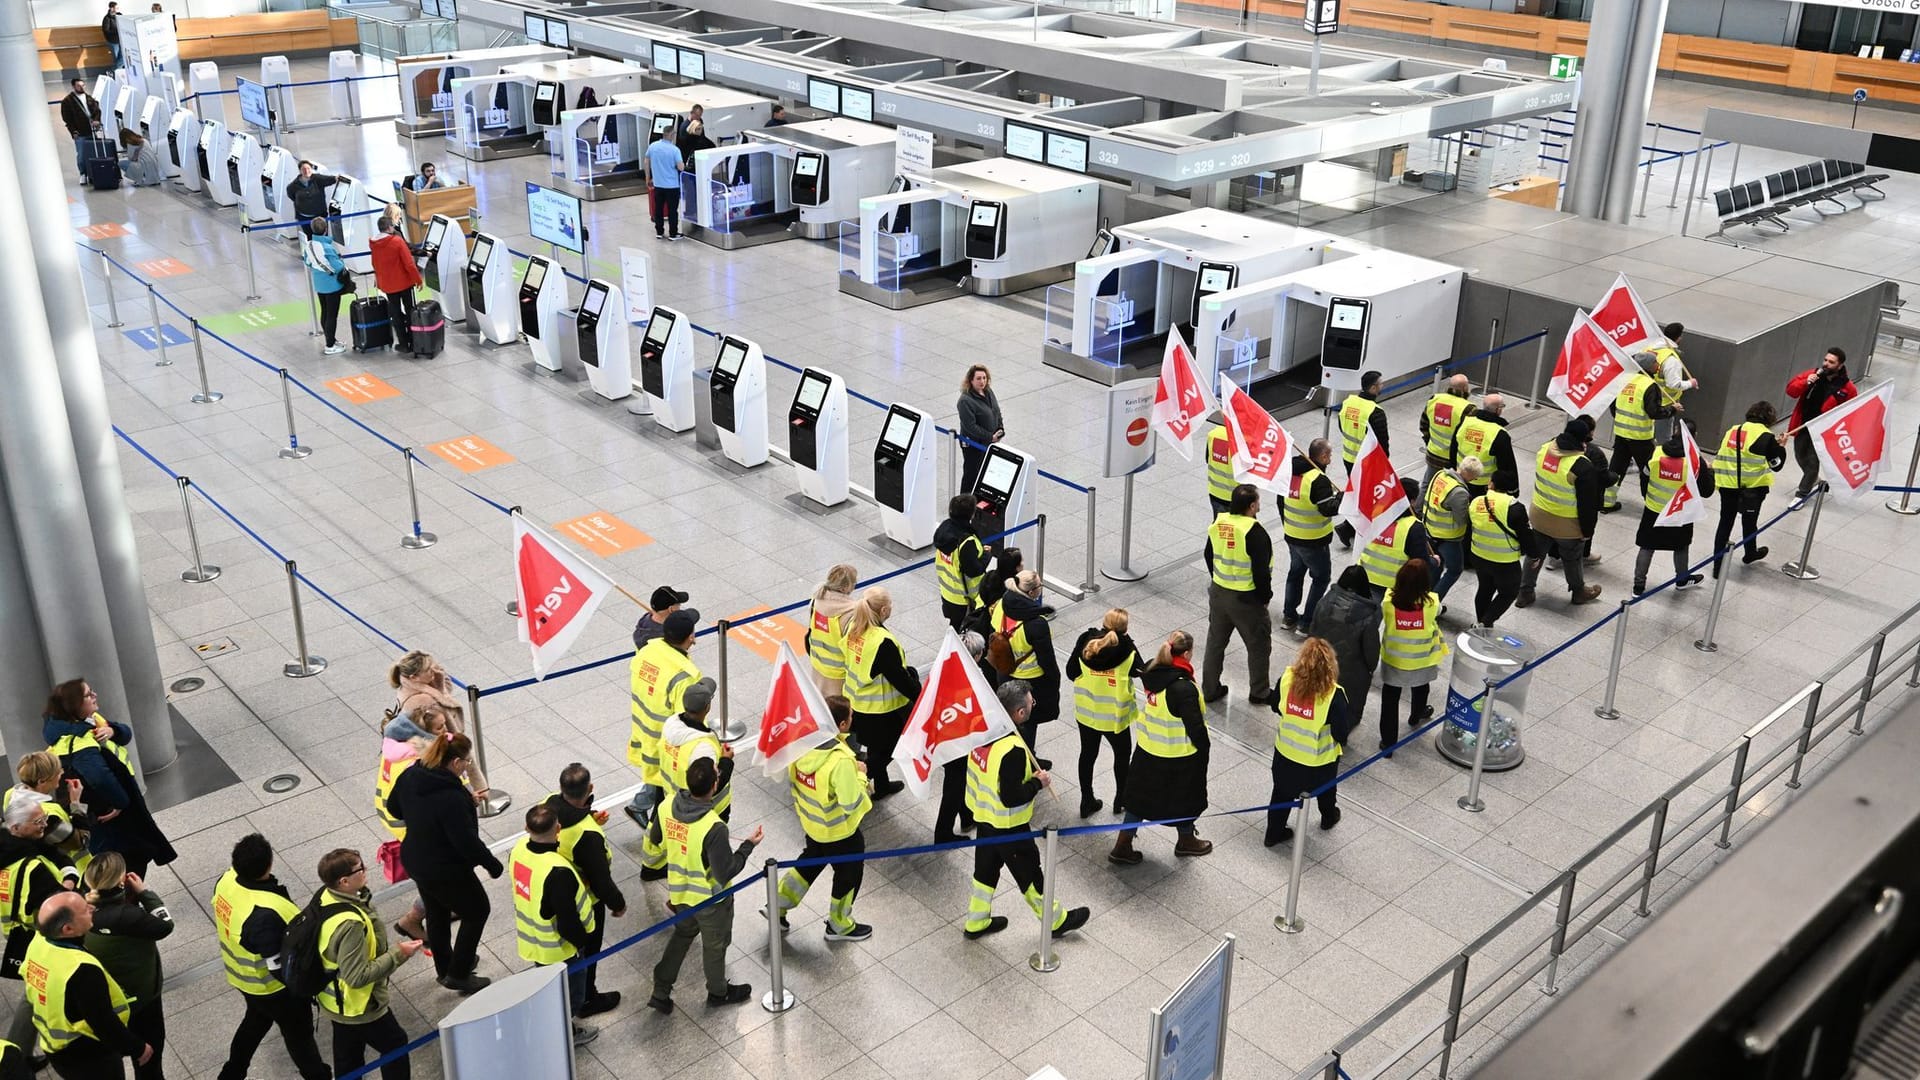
<point x="1454" y="365"/>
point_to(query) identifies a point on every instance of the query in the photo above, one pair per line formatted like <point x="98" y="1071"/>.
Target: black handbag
<point x="345" y="278"/>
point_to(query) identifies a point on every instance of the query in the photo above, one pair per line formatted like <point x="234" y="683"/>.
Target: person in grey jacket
<point x="980" y="423"/>
<point x="129" y="921"/>
<point x="1348" y="618"/>
<point x="719" y="862"/>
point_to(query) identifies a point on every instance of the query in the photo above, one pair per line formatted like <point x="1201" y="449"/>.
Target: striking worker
<point x="1240" y="559"/>
<point x="661" y="671"/>
<point x="1484" y="435"/>
<point x="1404" y="538"/>
<point x="831" y="795"/>
<point x="1566" y="504"/>
<point x="1001" y="786"/>
<point x="959" y="561"/>
<point x="1441" y="418"/>
<point x="552" y="909"/>
<point x="1635" y="409"/>
<point x="1306" y="521"/>
<point x="1360" y="413"/>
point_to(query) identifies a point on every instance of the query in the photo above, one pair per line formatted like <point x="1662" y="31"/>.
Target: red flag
<point x="955" y="713"/>
<point x="1853" y="440"/>
<point x="1374" y="497"/>
<point x="1591" y="370"/>
<point x="1687" y="506"/>
<point x="1625" y="318"/>
<point x="1181" y="399"/>
<point x="1262" y="450"/>
<point x="557" y="591"/>
<point x="796" y="718"/>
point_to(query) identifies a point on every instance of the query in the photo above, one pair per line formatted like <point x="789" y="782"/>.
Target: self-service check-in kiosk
<point x="810" y="185"/>
<point x="211" y="163"/>
<point x="277" y="77"/>
<point x="817" y="436"/>
<point x="278" y="168"/>
<point x="1344" y="347"/>
<point x="543" y="292"/>
<point x="126" y="106"/>
<point x="243" y="166"/>
<point x="153" y="117"/>
<point x="666" y="368"/>
<point x="903" y="476"/>
<point x="987" y="230"/>
<point x="444" y="258"/>
<point x="351" y="225"/>
<point x="490" y="306"/>
<point x="601" y="340"/>
<point x="1003" y="495"/>
<point x="183" y="148"/>
<point x="738" y="396"/>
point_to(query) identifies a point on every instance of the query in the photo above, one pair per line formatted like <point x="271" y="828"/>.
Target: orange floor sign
<point x="163" y="267"/>
<point x="764" y="636"/>
<point x="361" y="389"/>
<point x="104" y="230"/>
<point x="471" y="453"/>
<point x="603" y="534"/>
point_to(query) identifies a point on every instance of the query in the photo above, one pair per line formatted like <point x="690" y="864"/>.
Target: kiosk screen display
<point x="544" y="92"/>
<point x="253" y="103"/>
<point x="659" y="328"/>
<point x="1346" y="316"/>
<point x="553" y="217"/>
<point x="900" y="429"/>
<point x="1215" y="279"/>
<point x="666" y="59"/>
<point x="449" y="9"/>
<point x="663" y="124"/>
<point x="1024" y="142"/>
<point x="732" y="356"/>
<point x="536" y="28"/>
<point x="823" y="95"/>
<point x="537" y="274"/>
<point x="1066" y="151"/>
<point x="693" y="65"/>
<point x="856" y="103"/>
<point x="813" y="391"/>
<point x="987" y="214"/>
<point x="436" y="232"/>
<point x="806" y="165"/>
<point x="999" y="474"/>
<point x="482" y="251"/>
<point x="559" y="35"/>
<point x="595" y="300"/>
<point x="430" y="8"/>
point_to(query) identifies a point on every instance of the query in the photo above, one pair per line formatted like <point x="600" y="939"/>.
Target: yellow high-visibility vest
<point x="1666" y="476"/>
<point x="1553" y="481"/>
<point x="1232" y="566"/>
<point x="1220" y="482"/>
<point x="867" y="692"/>
<point x="336" y="998"/>
<point x="1476" y="436"/>
<point x="537" y="935"/>
<point x="983" y="783"/>
<point x="233" y="904"/>
<point x="816" y="795"/>
<point x="1356" y="414"/>
<point x="1737" y="466"/>
<point x="1300" y="516"/>
<point x="956" y="587"/>
<point x="825" y="648"/>
<point x="1305" y="736"/>
<point x="1630" y="419"/>
<point x="660" y="677"/>
<point x="1025" y="664"/>
<point x="1158" y="731"/>
<point x="1444" y="413"/>
<point x="1492" y="542"/>
<point x="688" y="880"/>
<point x="48" y="970"/>
<point x="1386" y="553"/>
<point x="1411" y="640"/>
<point x="1442" y="523"/>
<point x="1103" y="700"/>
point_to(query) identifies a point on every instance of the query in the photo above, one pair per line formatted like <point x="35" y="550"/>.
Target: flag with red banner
<point x="1181" y="399"/>
<point x="955" y="713"/>
<point x="1687" y="506"/>
<point x="1591" y="370"/>
<point x="796" y="719"/>
<point x="1374" y="497"/>
<point x="1262" y="450"/>
<point x="1853" y="440"/>
<point x="1625" y="318"/>
<point x="557" y="593"/>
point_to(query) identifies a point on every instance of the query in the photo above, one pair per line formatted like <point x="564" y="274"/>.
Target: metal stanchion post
<point x="1439" y="374"/>
<point x="1902" y="504"/>
<point x="1470" y="802"/>
<point x="1091" y="582"/>
<point x="1559" y="944"/>
<point x="313" y="311"/>
<point x="1123" y="570"/>
<point x="353" y="103"/>
<point x="1326" y="423"/>
<point x="159" y="331"/>
<point x="1646" y="183"/>
<point x="1679" y="166"/>
<point x="1806" y="734"/>
<point x="1801" y="568"/>
<point x="1706" y="643"/>
<point x="201" y="572"/>
<point x="304" y="665"/>
<point x="1456" y="998"/>
<point x="1046" y="959"/>
<point x="415" y="540"/>
<point x="1606" y="711"/>
<point x="953" y="464"/>
<point x="497" y="801"/>
<point x="293" y="451"/>
<point x="246" y="244"/>
<point x="113" y="304"/>
<point x="777" y="999"/>
<point x="1539" y="365"/>
<point x="1291" y="922"/>
<point x="207" y="395"/>
<point x="1040" y="545"/>
<point x="730" y="730"/>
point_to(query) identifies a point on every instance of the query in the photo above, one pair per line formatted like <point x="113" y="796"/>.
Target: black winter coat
<point x="1160" y="788"/>
<point x="443" y="828"/>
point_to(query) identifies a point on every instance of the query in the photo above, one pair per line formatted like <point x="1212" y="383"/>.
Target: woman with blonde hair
<point x="1314" y="725"/>
<point x="1102" y="667"/>
<point x="826" y="616"/>
<point x="1167" y="781"/>
<point x="418" y="679"/>
<point x="880" y="687"/>
<point x="129" y="921"/>
<point x="67" y="819"/>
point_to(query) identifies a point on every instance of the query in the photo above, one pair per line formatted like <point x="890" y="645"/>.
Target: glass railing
<point x="391" y="32"/>
<point x="1237" y="352"/>
<point x="891" y="252"/>
<point x="1111" y="324"/>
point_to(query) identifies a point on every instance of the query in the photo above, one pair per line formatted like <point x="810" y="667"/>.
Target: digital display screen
<point x="449" y="10"/>
<point x="1346" y="315"/>
<point x="536" y="28"/>
<point x="554" y="218"/>
<point x="693" y="65"/>
<point x="595" y="300"/>
<point x="559" y="34"/>
<point x="666" y="59"/>
<point x="1025" y="143"/>
<point x="732" y="356"/>
<point x="430" y="8"/>
<point x="663" y="124"/>
<point x="659" y="327"/>
<point x="985" y="213"/>
<point x="436" y="232"/>
<point x="1066" y="152"/>
<point x="1215" y="279"/>
<point x="823" y="95"/>
<point x="545" y="91"/>
<point x="253" y="103"/>
<point x="899" y="430"/>
<point x="999" y="473"/>
<point x="806" y="165"/>
<point x="813" y="391"/>
<point x="536" y="274"/>
<point x="856" y="103"/>
<point x="482" y="251"/>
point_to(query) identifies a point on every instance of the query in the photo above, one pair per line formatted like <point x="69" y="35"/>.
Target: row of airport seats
<point x="1763" y="201"/>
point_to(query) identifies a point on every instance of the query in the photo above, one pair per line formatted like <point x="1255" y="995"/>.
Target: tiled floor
<point x="1404" y="881"/>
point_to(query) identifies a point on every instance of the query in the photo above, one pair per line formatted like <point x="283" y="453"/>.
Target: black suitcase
<point x="429" y="329"/>
<point x="103" y="165"/>
<point x="372" y="324"/>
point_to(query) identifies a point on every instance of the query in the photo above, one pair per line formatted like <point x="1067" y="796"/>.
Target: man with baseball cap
<point x="665" y="601"/>
<point x="661" y="672"/>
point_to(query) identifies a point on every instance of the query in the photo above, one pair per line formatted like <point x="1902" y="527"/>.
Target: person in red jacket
<point x="1814" y="392"/>
<point x="397" y="274"/>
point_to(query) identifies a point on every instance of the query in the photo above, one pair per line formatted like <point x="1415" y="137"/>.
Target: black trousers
<point x="293" y="1017"/>
<point x="880" y="733"/>
<point x="400" y="311"/>
<point x="1122" y="743"/>
<point x="352" y="1041"/>
<point x="953" y="816"/>
<point x="666" y="209"/>
<point x="955" y="614"/>
<point x="1290" y="778"/>
<point x="971" y="459"/>
<point x="847" y="876"/>
<point x="1390" y="709"/>
<point x="1499" y="588"/>
<point x="460" y="895"/>
<point x="1634" y="452"/>
<point x="330" y="315"/>
<point x="88" y="1059"/>
<point x="1020" y="857"/>
<point x="1744" y="504"/>
<point x="590" y="975"/>
<point x="150" y="1024"/>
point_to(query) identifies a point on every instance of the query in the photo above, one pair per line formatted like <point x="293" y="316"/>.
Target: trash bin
<point x="1480" y="654"/>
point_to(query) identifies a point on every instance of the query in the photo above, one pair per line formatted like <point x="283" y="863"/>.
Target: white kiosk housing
<point x="666" y="368"/>
<point x="817" y="436"/>
<point x="903" y="483"/>
<point x="597" y="151"/>
<point x="490" y="302"/>
<point x="600" y="339"/>
<point x="828" y="166"/>
<point x="203" y="77"/>
<point x="1003" y="493"/>
<point x="443" y="265"/>
<point x="426" y="82"/>
<point x="738" y="399"/>
<point x="153" y="122"/>
<point x="275" y="73"/>
<point x="214" y="143"/>
<point x="543" y="292"/>
<point x="352" y="226"/>
<point x="517" y="111"/>
<point x="278" y="168"/>
<point x="243" y="167"/>
<point x="183" y="148"/>
<point x="987" y="227"/>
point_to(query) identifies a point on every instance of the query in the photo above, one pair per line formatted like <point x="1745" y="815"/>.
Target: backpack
<point x="301" y="967"/>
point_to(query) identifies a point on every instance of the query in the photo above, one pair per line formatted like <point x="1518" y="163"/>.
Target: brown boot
<point x="1587" y="595"/>
<point x="1190" y="844"/>
<point x="1123" y="852"/>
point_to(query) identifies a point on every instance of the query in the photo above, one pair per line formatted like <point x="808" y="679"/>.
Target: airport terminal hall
<point x="960" y="539"/>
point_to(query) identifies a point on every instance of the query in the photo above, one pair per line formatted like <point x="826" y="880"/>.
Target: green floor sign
<point x="291" y="313"/>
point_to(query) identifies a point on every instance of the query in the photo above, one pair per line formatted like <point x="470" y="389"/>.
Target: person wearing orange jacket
<point x="396" y="274"/>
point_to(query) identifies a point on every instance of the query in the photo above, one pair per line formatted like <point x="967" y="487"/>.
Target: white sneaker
<point x="334" y="350"/>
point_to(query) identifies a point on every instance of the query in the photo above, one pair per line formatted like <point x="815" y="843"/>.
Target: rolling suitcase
<point x="429" y="328"/>
<point x="103" y="165"/>
<point x="372" y="324"/>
